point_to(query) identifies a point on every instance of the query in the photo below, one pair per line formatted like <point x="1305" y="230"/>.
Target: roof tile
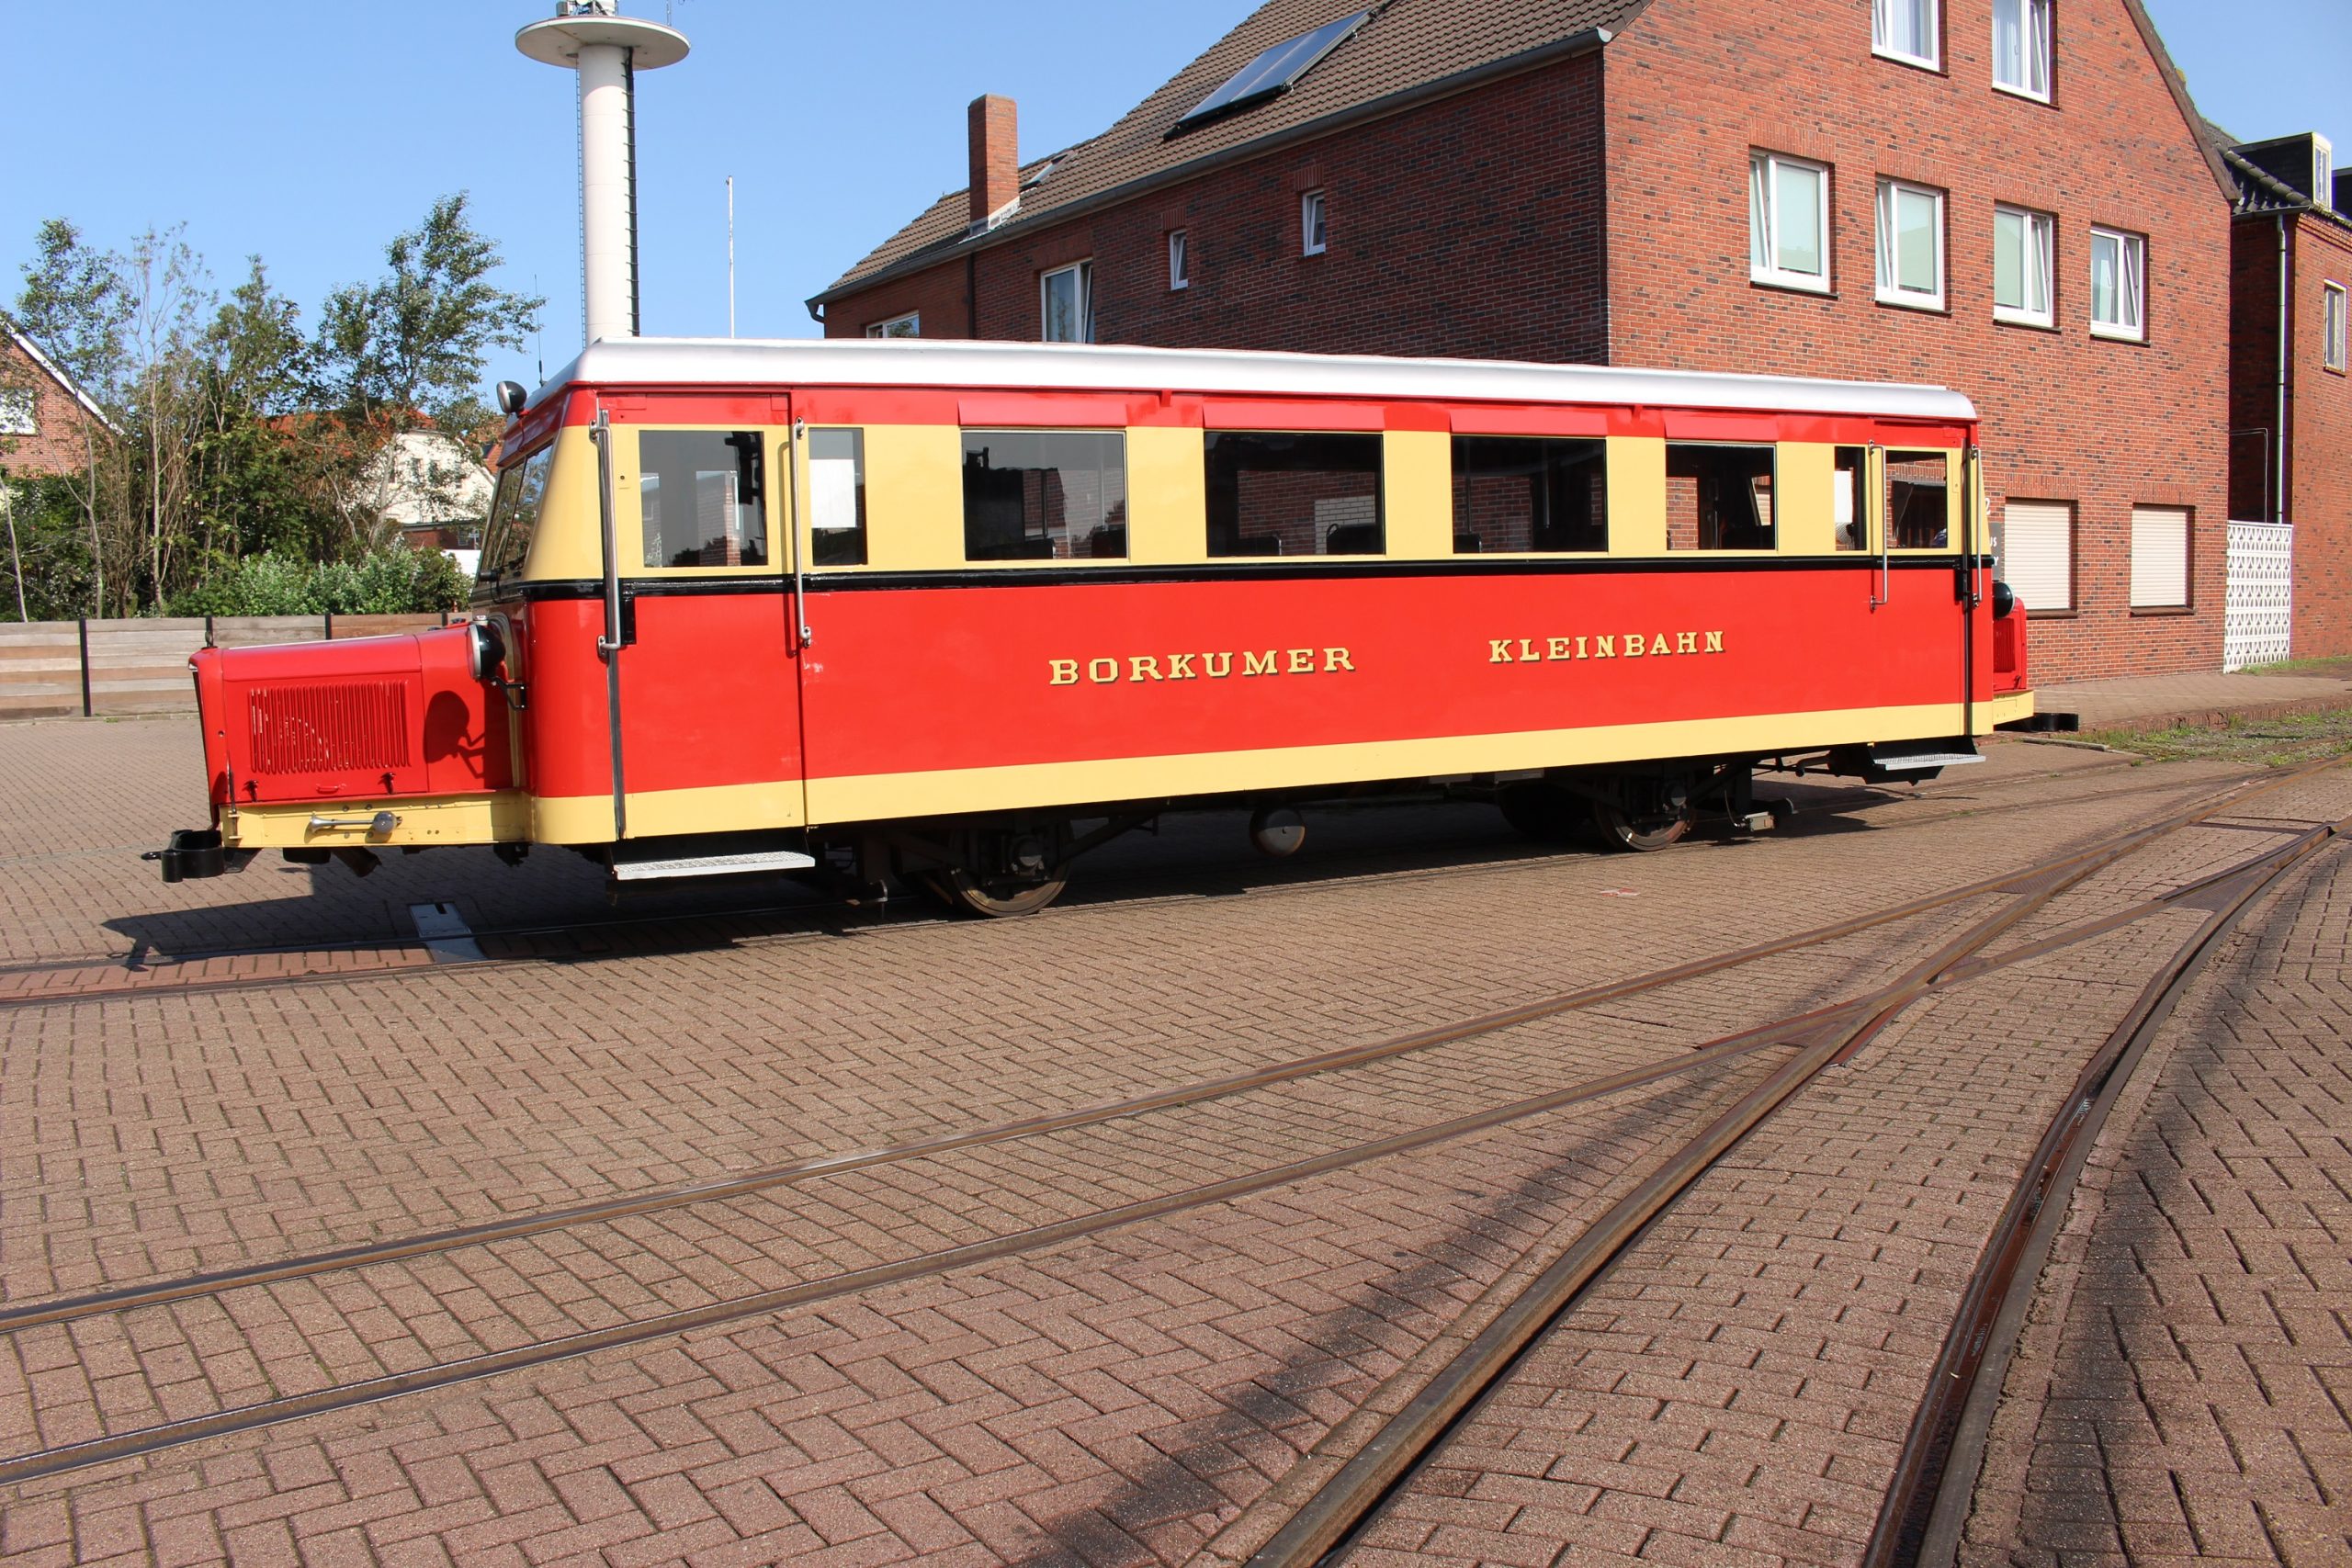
<point x="1407" y="44"/>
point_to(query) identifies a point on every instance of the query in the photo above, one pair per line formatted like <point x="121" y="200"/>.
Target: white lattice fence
<point x="2261" y="595"/>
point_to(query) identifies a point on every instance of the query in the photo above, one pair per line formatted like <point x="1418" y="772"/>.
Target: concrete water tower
<point x="607" y="50"/>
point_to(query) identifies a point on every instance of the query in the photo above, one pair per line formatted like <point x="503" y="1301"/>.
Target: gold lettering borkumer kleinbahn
<point x="1626" y="645"/>
<point x="1137" y="669"/>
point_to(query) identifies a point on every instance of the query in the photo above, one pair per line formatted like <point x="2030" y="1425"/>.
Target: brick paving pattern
<point x="1126" y="1398"/>
<point x="2184" y="1389"/>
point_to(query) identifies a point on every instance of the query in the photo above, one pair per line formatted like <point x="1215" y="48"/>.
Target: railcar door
<point x="1925" y="579"/>
<point x="703" y="637"/>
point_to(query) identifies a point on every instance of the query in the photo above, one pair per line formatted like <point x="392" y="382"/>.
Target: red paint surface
<point x="456" y="737"/>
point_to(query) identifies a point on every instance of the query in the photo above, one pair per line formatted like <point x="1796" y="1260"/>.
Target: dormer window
<point x="1908" y="30"/>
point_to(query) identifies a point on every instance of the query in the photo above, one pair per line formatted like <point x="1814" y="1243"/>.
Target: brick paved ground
<point x="1119" y="1399"/>
<point x="1738" y="1389"/>
<point x="2184" y="1389"/>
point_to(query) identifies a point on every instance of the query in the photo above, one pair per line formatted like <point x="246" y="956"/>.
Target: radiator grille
<point x="351" y="727"/>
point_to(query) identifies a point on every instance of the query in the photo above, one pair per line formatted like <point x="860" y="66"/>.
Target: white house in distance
<point x="434" y="489"/>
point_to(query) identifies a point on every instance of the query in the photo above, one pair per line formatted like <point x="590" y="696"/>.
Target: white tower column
<point x="606" y="50"/>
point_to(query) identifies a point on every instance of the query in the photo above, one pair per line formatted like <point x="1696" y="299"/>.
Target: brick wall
<point x="2067" y="417"/>
<point x="2319" y="450"/>
<point x="58" y="448"/>
<point x="1466" y="228"/>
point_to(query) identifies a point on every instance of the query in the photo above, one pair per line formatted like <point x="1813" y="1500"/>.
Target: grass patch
<point x="2338" y="667"/>
<point x="2280" y="741"/>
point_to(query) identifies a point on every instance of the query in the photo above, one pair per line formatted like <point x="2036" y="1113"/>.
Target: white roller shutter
<point x="2159" y="558"/>
<point x="2038" y="553"/>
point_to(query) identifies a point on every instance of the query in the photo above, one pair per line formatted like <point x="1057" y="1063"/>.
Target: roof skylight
<point x="1273" y="72"/>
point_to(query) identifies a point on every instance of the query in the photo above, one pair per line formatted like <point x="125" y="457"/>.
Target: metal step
<point x="711" y="865"/>
<point x="1920" y="761"/>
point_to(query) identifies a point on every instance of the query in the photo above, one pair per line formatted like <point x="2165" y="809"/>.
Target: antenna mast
<point x="731" y="256"/>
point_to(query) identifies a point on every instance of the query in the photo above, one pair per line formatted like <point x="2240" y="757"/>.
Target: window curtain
<point x="1759" y="221"/>
<point x="1905" y="27"/>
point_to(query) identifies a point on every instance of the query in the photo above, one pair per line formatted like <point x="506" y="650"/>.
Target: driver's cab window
<point x="703" y="498"/>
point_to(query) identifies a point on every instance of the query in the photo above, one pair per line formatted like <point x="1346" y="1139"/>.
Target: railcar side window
<point x="1515" y="494"/>
<point x="1044" y="495"/>
<point x="705" y="498"/>
<point x="1718" y="496"/>
<point x="1918" y="500"/>
<point x="837" y="497"/>
<point x="1853" y="517"/>
<point x="1273" y="493"/>
<point x="515" y="515"/>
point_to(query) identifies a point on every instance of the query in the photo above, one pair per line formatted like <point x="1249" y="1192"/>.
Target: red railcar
<point x="955" y="612"/>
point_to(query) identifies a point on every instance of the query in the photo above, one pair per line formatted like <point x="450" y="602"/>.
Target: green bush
<point x="392" y="583"/>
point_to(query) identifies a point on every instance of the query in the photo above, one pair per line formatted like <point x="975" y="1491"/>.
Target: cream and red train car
<point x="952" y="613"/>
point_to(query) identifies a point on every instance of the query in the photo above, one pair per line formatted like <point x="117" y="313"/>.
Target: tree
<point x="73" y="304"/>
<point x="415" y="341"/>
<point x="259" y="487"/>
<point x="164" y="286"/>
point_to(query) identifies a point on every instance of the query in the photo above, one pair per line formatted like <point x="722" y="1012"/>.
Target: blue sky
<point x="311" y="131"/>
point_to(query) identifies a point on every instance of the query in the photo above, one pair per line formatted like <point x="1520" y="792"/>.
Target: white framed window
<point x="1180" y="259"/>
<point x="1788" y="222"/>
<point x="2331" y="326"/>
<point x="1908" y="30"/>
<point x="1067" y="303"/>
<point x="2159" y="558"/>
<point x="2023" y="273"/>
<point x="907" y="326"/>
<point x="19" y="412"/>
<point x="2037" y="553"/>
<point x="2119" y="284"/>
<point x="1312" y="231"/>
<point x="1910" y="245"/>
<point x="2021" y="48"/>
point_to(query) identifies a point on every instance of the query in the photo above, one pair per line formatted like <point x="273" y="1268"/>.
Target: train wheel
<point x="1640" y="834"/>
<point x="1548" y="815"/>
<point x="999" y="898"/>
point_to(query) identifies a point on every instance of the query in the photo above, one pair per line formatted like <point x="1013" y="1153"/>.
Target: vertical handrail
<point x="797" y="437"/>
<point x="608" y="647"/>
<point x="1874" y="510"/>
<point x="1970" y="497"/>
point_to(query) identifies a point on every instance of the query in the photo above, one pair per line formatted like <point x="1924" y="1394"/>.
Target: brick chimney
<point x="996" y="157"/>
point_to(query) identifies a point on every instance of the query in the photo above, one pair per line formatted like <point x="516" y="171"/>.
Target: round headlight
<point x="485" y="649"/>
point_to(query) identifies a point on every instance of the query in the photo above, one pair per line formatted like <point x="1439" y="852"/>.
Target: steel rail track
<point x="1823" y="1041"/>
<point x="623" y="1206"/>
<point x="1334" y="1517"/>
<point x="669" y="929"/>
<point x="1936" y="1475"/>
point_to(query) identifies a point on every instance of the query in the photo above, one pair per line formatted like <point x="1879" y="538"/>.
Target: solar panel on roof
<point x="1274" y="70"/>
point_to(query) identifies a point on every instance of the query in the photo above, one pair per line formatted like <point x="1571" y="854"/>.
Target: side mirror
<point x="512" y="398"/>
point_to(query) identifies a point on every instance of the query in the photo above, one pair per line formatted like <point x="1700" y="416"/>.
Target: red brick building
<point x="44" y="417"/>
<point x="2010" y="198"/>
<point x="2290" y="395"/>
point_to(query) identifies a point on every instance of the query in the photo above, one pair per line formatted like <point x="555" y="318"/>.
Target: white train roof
<point x="916" y="362"/>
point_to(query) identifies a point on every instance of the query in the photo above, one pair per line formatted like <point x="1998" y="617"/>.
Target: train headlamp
<point x="485" y="650"/>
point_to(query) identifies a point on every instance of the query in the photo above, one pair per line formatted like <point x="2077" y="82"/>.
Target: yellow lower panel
<point x="727" y="808"/>
<point x="348" y="824"/>
<point x="883" y="797"/>
<point x="2008" y="709"/>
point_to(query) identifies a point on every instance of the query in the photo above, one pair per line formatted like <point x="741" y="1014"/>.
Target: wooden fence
<point x="62" y="668"/>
